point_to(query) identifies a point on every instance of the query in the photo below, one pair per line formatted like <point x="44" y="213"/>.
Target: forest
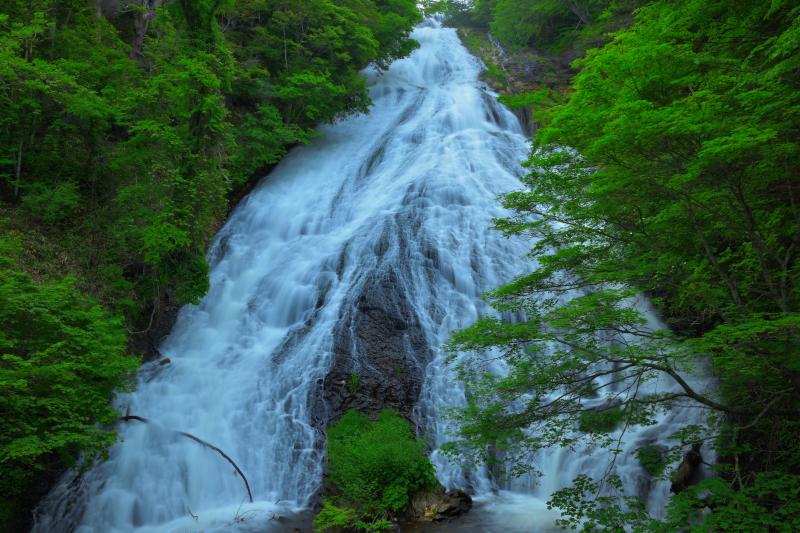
<point x="664" y="164"/>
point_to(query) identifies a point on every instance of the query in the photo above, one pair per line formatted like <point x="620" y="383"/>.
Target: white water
<point x="427" y="163"/>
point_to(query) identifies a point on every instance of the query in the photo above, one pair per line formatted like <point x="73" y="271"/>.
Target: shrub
<point x="374" y="467"/>
<point x="62" y="357"/>
<point x="651" y="457"/>
<point x="600" y="421"/>
<point x="53" y="204"/>
<point x="332" y="516"/>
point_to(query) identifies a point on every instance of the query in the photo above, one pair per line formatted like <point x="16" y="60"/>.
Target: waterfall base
<point x="506" y="512"/>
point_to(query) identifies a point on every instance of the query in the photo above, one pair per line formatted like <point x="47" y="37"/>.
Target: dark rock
<point x="689" y="471"/>
<point x="108" y="8"/>
<point x="157" y="324"/>
<point x="379" y="351"/>
<point x="525" y="116"/>
<point x="435" y="504"/>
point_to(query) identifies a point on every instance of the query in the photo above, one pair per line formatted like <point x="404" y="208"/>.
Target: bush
<point x="651" y="457"/>
<point x="332" y="516"/>
<point x="600" y="421"/>
<point x="61" y="359"/>
<point x="53" y="204"/>
<point x="374" y="467"/>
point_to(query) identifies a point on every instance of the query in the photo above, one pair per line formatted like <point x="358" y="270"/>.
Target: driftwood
<point x="129" y="417"/>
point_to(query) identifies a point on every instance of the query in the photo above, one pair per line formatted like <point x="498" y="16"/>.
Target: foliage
<point x="587" y="505"/>
<point x="331" y="516"/>
<point x="540" y="24"/>
<point x="149" y="143"/>
<point x="520" y="23"/>
<point x="62" y="358"/>
<point x="769" y="502"/>
<point x="352" y="385"/>
<point x="479" y="45"/>
<point x="668" y="171"/>
<point x="599" y="420"/>
<point x="651" y="457"/>
<point x="374" y="468"/>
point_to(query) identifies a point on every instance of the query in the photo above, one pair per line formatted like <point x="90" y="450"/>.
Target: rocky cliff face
<point x="379" y="352"/>
<point x="516" y="72"/>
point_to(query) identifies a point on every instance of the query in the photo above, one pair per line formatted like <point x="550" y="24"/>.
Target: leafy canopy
<point x="669" y="170"/>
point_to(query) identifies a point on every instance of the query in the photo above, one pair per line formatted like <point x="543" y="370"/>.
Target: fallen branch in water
<point x="128" y="418"/>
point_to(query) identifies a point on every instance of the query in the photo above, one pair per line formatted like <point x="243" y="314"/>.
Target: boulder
<point x="689" y="471"/>
<point x="435" y="504"/>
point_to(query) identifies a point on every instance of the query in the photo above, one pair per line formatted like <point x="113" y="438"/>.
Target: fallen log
<point x="128" y="418"/>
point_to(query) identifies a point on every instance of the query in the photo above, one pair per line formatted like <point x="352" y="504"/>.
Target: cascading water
<point x="409" y="188"/>
<point x="395" y="203"/>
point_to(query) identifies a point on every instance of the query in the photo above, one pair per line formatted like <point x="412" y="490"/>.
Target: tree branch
<point x="128" y="418"/>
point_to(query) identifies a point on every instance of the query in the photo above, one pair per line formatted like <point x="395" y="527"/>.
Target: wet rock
<point x="689" y="471"/>
<point x="379" y="352"/>
<point x="525" y="116"/>
<point x="436" y="504"/>
<point x="161" y="320"/>
<point x="301" y="522"/>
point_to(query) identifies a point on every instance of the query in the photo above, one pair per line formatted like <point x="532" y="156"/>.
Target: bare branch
<point x="128" y="418"/>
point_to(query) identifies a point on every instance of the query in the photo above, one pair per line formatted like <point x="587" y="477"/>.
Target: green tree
<point x="62" y="359"/>
<point x="667" y="171"/>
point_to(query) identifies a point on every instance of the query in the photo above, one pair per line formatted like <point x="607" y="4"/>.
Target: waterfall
<point x="391" y="208"/>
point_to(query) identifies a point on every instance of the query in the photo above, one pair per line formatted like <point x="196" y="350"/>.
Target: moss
<point x="479" y="45"/>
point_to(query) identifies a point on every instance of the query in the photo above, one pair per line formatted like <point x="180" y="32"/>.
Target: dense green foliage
<point x="541" y="24"/>
<point x="129" y="123"/>
<point x="670" y="170"/>
<point x="374" y="468"/>
<point x="61" y="359"/>
<point x="126" y="126"/>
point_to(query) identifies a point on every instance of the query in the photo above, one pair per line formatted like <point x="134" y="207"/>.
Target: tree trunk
<point x="18" y="172"/>
<point x="145" y="12"/>
<point x="729" y="282"/>
<point x="580" y="10"/>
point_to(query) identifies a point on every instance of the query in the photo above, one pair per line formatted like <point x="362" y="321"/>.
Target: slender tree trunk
<point x="18" y="169"/>
<point x="687" y="199"/>
<point x="760" y="249"/>
<point x="141" y="23"/>
<point x="285" y="55"/>
<point x="733" y="289"/>
<point x="580" y="10"/>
